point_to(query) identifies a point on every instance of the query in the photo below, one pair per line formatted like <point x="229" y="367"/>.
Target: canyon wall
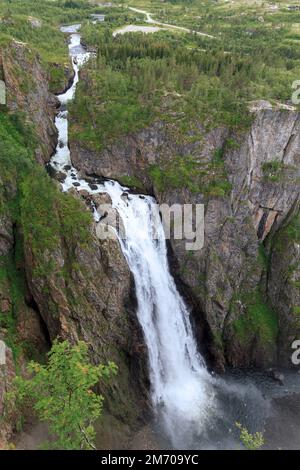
<point x="240" y="283"/>
<point x="55" y="283"/>
<point x="242" y="286"/>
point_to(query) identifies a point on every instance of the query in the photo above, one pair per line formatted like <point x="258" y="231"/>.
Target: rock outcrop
<point x="88" y="291"/>
<point x="27" y="91"/>
<point x="89" y="294"/>
<point x="235" y="278"/>
<point x="284" y="286"/>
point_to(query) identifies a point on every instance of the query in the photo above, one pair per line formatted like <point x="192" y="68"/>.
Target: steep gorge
<point x="57" y="278"/>
<point x="250" y="257"/>
<point x="231" y="279"/>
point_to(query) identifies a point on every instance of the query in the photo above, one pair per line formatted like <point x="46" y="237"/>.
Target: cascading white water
<point x="187" y="400"/>
<point x="181" y="386"/>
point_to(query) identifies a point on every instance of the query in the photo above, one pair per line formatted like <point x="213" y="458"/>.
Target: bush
<point x="250" y="441"/>
<point x="61" y="393"/>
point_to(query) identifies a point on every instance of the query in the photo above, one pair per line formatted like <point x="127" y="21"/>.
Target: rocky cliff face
<point x="243" y="285"/>
<point x="88" y="294"/>
<point x="283" y="286"/>
<point x="86" y="291"/>
<point x="27" y="91"/>
<point x="238" y="277"/>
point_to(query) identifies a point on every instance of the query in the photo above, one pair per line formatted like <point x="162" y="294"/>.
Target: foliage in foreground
<point x="250" y="441"/>
<point x="61" y="394"/>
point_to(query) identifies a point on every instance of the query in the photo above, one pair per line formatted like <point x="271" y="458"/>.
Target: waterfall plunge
<point x="181" y="387"/>
<point x="182" y="391"/>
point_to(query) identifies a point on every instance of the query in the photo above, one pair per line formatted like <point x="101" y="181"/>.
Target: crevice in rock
<point x="199" y="323"/>
<point x="266" y="223"/>
<point x="261" y="225"/>
<point x="31" y="303"/>
<point x="289" y="142"/>
<point x="44" y="342"/>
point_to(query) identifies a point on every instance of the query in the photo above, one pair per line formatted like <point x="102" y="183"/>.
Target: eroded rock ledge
<point x="238" y="277"/>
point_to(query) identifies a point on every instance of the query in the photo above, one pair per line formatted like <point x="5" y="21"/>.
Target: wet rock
<point x="101" y="199"/>
<point x="93" y="186"/>
<point x="67" y="167"/>
<point x="60" y="176"/>
<point x="277" y="376"/>
<point x="84" y="193"/>
<point x="76" y="184"/>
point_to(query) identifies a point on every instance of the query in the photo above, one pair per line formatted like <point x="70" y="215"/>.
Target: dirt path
<point x="149" y="19"/>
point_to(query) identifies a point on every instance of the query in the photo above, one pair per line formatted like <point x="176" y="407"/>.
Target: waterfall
<point x="181" y="387"/>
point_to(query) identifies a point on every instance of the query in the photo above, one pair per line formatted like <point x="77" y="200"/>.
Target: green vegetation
<point x="131" y="182"/>
<point x="61" y="393"/>
<point x="273" y="170"/>
<point x="37" y="24"/>
<point x="47" y="216"/>
<point x="293" y="229"/>
<point x="258" y="320"/>
<point x="136" y="79"/>
<point x="12" y="281"/>
<point x="183" y="78"/>
<point x="42" y="212"/>
<point x="186" y="172"/>
<point x="250" y="441"/>
<point x="268" y="35"/>
<point x="39" y="214"/>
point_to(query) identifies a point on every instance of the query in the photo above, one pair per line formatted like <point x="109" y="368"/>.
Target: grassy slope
<point x="46" y="39"/>
<point x="29" y="199"/>
<point x="179" y="77"/>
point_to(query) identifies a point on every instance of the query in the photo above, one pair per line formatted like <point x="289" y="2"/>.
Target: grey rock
<point x="229" y="266"/>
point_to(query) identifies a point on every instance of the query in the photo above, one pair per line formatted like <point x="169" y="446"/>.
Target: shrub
<point x="61" y="393"/>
